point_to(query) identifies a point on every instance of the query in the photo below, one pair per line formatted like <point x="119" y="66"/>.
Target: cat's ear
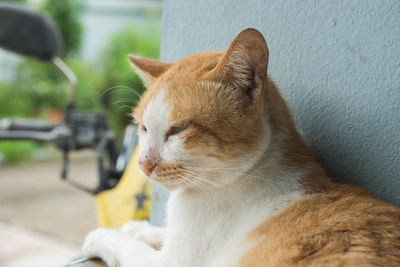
<point x="245" y="62"/>
<point x="148" y="69"/>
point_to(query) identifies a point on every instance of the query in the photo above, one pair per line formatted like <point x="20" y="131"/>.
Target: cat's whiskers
<point x="132" y="102"/>
<point x="194" y="178"/>
<point x="121" y="101"/>
<point x="199" y="179"/>
<point x="225" y="171"/>
<point x="129" y="116"/>
<point x="209" y="184"/>
<point x="214" y="168"/>
<point x="193" y="185"/>
<point x="124" y="106"/>
<point x="200" y="183"/>
<point x="120" y="87"/>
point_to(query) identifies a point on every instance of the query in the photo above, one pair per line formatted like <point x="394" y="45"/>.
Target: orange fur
<point x="342" y="227"/>
<point x="225" y="96"/>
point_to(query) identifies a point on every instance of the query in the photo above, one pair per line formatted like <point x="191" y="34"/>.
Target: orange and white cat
<point x="245" y="188"/>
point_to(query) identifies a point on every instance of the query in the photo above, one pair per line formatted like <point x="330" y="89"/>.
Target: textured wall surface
<point x="337" y="64"/>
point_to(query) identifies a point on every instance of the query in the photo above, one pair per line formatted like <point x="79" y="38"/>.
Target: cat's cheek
<point x="142" y="141"/>
<point x="173" y="150"/>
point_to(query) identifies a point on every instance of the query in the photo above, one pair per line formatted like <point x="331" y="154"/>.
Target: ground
<point x="43" y="220"/>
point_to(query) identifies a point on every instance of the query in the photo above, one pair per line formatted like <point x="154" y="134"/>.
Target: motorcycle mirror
<point x="27" y="32"/>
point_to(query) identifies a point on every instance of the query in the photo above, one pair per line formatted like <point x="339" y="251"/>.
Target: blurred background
<point x="44" y="220"/>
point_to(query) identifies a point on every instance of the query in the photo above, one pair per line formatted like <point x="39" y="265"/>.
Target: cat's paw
<point x="135" y="227"/>
<point x="144" y="231"/>
<point x="152" y="236"/>
<point x="98" y="243"/>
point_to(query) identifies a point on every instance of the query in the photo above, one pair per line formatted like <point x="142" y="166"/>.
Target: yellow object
<point x="129" y="200"/>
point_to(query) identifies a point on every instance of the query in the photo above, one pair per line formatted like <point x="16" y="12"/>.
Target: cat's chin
<point x="168" y="184"/>
<point x="170" y="187"/>
<point x="173" y="185"/>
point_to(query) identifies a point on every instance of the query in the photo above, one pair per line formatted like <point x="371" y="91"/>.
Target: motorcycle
<point x="122" y="192"/>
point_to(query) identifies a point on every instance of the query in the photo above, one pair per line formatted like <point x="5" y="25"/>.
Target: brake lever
<point x="105" y="147"/>
<point x="64" y="176"/>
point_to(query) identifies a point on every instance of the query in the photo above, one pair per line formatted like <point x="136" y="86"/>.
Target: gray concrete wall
<point x="337" y="64"/>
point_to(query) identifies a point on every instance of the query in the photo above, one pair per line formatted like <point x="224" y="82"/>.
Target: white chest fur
<point x="212" y="230"/>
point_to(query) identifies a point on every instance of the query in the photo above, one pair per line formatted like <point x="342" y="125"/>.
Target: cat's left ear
<point x="245" y="63"/>
<point x="148" y="69"/>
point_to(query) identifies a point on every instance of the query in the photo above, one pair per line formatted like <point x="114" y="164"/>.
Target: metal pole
<point x="70" y="75"/>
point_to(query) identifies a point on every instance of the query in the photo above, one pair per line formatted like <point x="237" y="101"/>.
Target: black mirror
<point x="28" y="32"/>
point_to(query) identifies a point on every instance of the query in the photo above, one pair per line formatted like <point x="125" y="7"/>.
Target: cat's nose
<point x="147" y="166"/>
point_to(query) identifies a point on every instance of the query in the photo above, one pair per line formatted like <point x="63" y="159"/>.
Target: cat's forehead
<point x="155" y="116"/>
<point x="181" y="86"/>
<point x="168" y="102"/>
<point x="198" y="64"/>
<point x="150" y="100"/>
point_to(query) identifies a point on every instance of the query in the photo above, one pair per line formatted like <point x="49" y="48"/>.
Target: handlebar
<point x="26" y="135"/>
<point x="26" y="125"/>
<point x="36" y="131"/>
<point x="80" y="130"/>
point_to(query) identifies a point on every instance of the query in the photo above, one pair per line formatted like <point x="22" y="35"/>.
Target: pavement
<point x="43" y="220"/>
<point x="21" y="247"/>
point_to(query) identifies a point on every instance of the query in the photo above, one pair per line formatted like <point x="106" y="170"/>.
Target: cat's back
<point x="342" y="227"/>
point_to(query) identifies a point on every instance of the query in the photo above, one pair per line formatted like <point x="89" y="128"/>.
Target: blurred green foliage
<point x="15" y="152"/>
<point x="122" y="87"/>
<point x="39" y="87"/>
<point x="66" y="15"/>
<point x="107" y="85"/>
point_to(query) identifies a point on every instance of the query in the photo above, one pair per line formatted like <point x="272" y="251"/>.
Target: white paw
<point x="144" y="231"/>
<point x="98" y="243"/>
<point x="134" y="227"/>
<point x="153" y="237"/>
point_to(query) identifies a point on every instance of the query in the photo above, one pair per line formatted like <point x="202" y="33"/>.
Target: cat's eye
<point x="177" y="129"/>
<point x="142" y="128"/>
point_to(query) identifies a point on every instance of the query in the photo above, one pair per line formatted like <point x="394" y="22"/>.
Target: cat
<point x="246" y="190"/>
